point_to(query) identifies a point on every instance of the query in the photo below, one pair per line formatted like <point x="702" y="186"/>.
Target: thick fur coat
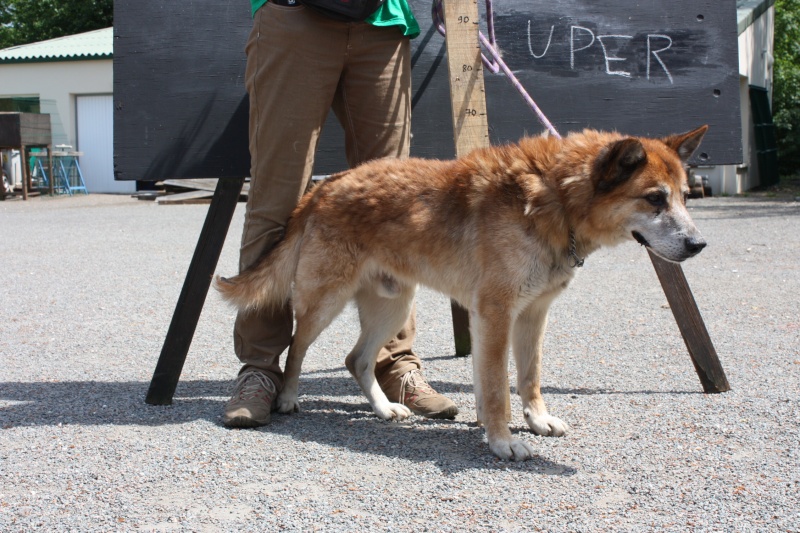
<point x="501" y="231"/>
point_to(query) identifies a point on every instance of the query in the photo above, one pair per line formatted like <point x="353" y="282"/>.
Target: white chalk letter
<point x="572" y="49"/>
<point x="546" y="48"/>
<point x="656" y="52"/>
<point x="612" y="58"/>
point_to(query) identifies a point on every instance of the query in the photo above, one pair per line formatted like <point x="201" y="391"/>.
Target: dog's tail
<point x="268" y="283"/>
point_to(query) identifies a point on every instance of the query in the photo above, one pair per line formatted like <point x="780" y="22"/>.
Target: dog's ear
<point x="617" y="163"/>
<point x="686" y="143"/>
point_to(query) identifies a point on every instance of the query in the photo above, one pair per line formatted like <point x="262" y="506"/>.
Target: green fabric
<point x="257" y="4"/>
<point x="396" y="13"/>
<point x="391" y="13"/>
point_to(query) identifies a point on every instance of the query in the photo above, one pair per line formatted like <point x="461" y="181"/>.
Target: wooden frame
<point x="181" y="110"/>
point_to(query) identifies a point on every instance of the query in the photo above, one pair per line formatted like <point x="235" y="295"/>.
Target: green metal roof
<point x="97" y="44"/>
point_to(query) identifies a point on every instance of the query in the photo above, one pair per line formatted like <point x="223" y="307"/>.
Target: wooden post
<point x="693" y="329"/>
<point x="51" y="181"/>
<point x="467" y="94"/>
<point x="468" y="104"/>
<point x="470" y="123"/>
<point x="26" y="171"/>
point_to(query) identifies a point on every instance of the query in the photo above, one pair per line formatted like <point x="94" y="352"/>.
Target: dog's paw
<point x="393" y="411"/>
<point x="511" y="449"/>
<point x="545" y="425"/>
<point x="286" y="402"/>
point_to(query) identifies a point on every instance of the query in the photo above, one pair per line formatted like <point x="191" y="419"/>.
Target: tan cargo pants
<point x="299" y="66"/>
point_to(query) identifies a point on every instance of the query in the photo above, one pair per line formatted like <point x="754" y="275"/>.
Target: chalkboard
<point x="644" y="68"/>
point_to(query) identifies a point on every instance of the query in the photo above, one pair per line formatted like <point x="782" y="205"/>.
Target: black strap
<point x="345" y="10"/>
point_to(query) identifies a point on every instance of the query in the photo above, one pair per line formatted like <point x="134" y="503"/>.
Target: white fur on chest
<point x="542" y="279"/>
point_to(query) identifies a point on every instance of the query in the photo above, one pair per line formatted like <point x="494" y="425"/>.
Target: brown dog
<point x="500" y="231"/>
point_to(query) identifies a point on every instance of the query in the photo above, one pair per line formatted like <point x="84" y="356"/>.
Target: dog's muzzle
<point x="691" y="245"/>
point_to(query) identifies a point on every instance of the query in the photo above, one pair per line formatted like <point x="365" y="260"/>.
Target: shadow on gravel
<point x="746" y="208"/>
<point x="451" y="445"/>
<point x="122" y="403"/>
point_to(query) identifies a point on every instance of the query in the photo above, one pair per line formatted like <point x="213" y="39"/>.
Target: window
<point x="20" y="104"/>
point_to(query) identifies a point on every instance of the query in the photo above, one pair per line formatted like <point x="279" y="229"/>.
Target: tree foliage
<point x="786" y="84"/>
<point x="27" y="21"/>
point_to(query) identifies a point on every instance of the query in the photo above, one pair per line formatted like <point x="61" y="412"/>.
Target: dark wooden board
<point x="189" y="197"/>
<point x="181" y="106"/>
<point x="690" y="322"/>
<point x="202" y="184"/>
<point x="24" y="129"/>
<point x="193" y="294"/>
<point x="647" y="68"/>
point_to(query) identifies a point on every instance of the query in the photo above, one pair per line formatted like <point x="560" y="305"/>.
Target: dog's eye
<point x="657" y="199"/>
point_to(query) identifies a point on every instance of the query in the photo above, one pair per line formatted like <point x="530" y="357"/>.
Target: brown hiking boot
<point x="251" y="402"/>
<point x="415" y="393"/>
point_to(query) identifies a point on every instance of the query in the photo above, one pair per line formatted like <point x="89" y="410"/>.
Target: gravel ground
<point x="88" y="288"/>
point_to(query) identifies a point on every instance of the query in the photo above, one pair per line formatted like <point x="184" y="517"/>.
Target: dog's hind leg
<point x="381" y="318"/>
<point x="528" y="338"/>
<point x="312" y="318"/>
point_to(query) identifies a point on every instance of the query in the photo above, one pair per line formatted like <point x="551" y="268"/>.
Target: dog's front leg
<point x="489" y="326"/>
<point x="528" y="338"/>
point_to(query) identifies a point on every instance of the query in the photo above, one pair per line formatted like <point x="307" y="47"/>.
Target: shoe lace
<point x="414" y="380"/>
<point x="250" y="384"/>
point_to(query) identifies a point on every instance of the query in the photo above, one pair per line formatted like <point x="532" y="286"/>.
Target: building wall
<point x="755" y="68"/>
<point x="756" y="50"/>
<point x="57" y="84"/>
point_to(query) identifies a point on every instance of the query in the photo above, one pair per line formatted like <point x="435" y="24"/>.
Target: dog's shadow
<point x="452" y="446"/>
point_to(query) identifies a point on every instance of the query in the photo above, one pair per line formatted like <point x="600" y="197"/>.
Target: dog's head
<point x="641" y="185"/>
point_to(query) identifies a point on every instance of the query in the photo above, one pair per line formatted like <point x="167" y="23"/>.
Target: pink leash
<point x="497" y="64"/>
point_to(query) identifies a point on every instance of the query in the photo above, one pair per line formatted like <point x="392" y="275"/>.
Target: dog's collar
<point x="575" y="261"/>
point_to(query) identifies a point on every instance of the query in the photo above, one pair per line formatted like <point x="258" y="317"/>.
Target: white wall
<point x="56" y="84"/>
<point x="756" y="50"/>
<point x="755" y="68"/>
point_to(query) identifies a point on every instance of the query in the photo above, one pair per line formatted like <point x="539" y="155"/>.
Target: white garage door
<point x="96" y="141"/>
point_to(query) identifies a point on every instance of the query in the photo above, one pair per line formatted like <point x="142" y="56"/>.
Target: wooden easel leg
<point x="461" y="330"/>
<point x="194" y="292"/>
<point x="26" y="172"/>
<point x="693" y="329"/>
<point x="468" y="107"/>
<point x="50" y="181"/>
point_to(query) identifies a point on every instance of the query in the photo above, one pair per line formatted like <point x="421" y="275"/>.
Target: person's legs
<point x="373" y="104"/>
<point x="294" y="61"/>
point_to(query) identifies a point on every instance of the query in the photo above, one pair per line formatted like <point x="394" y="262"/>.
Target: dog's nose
<point x="694" y="244"/>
